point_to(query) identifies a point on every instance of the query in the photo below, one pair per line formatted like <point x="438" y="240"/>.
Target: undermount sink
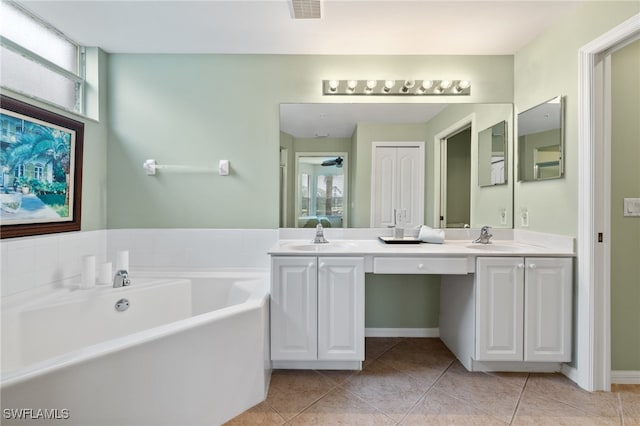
<point x="493" y="247"/>
<point x="330" y="246"/>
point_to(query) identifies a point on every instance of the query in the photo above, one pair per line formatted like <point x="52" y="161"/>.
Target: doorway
<point x="321" y="189"/>
<point x="594" y="230"/>
<point x="455" y="180"/>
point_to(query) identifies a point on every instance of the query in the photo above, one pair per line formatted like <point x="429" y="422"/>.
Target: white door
<point x="341" y="308"/>
<point x="397" y="184"/>
<point x="499" y="309"/>
<point x="294" y="308"/>
<point x="548" y="303"/>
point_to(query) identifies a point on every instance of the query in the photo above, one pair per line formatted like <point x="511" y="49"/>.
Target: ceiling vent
<point x="306" y="9"/>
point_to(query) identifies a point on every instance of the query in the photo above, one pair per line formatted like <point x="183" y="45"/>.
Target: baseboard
<point x="570" y="372"/>
<point x="402" y="332"/>
<point x="629" y="377"/>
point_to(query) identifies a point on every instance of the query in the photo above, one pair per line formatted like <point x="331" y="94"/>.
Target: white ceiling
<point x="339" y="120"/>
<point x="417" y="27"/>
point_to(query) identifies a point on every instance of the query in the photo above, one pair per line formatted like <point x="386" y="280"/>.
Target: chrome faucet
<point x="320" y="235"/>
<point x="121" y="279"/>
<point x="485" y="236"/>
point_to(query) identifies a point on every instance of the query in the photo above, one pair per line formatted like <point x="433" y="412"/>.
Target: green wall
<point x="194" y="110"/>
<point x="548" y="67"/>
<point x="625" y="231"/>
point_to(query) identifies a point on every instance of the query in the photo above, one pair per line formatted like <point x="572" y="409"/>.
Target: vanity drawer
<point x="422" y="265"/>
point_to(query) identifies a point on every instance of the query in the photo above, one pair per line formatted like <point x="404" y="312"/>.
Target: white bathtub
<point x="191" y="349"/>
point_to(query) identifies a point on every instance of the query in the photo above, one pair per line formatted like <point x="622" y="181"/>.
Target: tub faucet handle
<point x="121" y="279"/>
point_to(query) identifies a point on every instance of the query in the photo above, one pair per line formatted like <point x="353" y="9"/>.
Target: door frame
<point x="593" y="351"/>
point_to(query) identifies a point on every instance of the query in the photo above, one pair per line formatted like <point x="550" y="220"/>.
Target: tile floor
<point x="419" y="382"/>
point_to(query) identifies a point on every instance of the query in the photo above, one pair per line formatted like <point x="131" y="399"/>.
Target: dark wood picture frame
<point x="41" y="120"/>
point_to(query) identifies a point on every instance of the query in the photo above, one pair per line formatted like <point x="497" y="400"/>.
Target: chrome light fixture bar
<point x="397" y="87"/>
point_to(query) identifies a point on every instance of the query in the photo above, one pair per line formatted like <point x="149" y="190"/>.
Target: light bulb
<point x="427" y="84"/>
<point x="464" y="84"/>
<point x="408" y="84"/>
<point x="333" y="85"/>
<point x="351" y="85"/>
<point x="371" y="84"/>
<point x="445" y="84"/>
<point x="388" y="85"/>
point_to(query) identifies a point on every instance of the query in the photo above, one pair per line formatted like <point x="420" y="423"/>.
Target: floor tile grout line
<point x="515" y="411"/>
<point x="316" y="400"/>
<point x="578" y="407"/>
<point x="367" y="403"/>
<point x="426" y="392"/>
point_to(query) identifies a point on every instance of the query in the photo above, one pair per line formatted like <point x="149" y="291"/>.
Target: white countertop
<point x="450" y="248"/>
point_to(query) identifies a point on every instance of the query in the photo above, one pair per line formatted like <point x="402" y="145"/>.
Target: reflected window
<point x="321" y="192"/>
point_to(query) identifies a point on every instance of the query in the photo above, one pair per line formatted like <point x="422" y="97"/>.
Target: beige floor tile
<point x="424" y="361"/>
<point x="536" y="409"/>
<point x="338" y="376"/>
<point x="376" y="346"/>
<point x="258" y="415"/>
<point x="340" y="407"/>
<point x="630" y="408"/>
<point x="439" y="408"/>
<point x="387" y="389"/>
<point x="291" y="391"/>
<point x="560" y="388"/>
<point x="496" y="393"/>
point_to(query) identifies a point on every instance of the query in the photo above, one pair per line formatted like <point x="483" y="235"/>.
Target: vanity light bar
<point x="397" y="87"/>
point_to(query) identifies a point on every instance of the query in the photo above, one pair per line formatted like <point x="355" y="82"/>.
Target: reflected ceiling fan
<point x="334" y="162"/>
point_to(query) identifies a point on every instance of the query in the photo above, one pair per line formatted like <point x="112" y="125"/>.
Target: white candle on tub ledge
<point x="88" y="272"/>
<point x="105" y="274"/>
<point x="122" y="260"/>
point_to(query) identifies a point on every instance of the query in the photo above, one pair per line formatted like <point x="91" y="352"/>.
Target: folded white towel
<point x="430" y="235"/>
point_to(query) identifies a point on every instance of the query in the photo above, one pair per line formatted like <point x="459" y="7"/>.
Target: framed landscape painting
<point x="41" y="170"/>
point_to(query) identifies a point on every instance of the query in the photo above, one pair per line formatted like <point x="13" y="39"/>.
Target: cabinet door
<point x="548" y="303"/>
<point x="499" y="309"/>
<point x="294" y="308"/>
<point x="341" y="308"/>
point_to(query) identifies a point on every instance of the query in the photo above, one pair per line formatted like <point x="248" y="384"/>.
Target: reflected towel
<point x="430" y="235"/>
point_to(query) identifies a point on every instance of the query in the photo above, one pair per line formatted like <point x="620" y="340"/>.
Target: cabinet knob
<point x="310" y="265"/>
<point x="420" y="265"/>
<point x="321" y="265"/>
<point x="532" y="266"/>
<point x="520" y="265"/>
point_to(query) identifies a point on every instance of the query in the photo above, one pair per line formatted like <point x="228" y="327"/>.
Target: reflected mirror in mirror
<point x="325" y="131"/>
<point x="541" y="141"/>
<point x="492" y="154"/>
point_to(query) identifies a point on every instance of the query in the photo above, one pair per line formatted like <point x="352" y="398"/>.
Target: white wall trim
<point x="570" y="372"/>
<point x="402" y="332"/>
<point x="622" y="377"/>
<point x="593" y="364"/>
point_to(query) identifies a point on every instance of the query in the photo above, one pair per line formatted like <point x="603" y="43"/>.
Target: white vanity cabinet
<point x="317" y="310"/>
<point x="523" y="309"/>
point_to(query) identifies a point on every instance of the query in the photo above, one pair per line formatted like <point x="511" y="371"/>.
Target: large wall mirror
<point x="541" y="141"/>
<point x="327" y="153"/>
